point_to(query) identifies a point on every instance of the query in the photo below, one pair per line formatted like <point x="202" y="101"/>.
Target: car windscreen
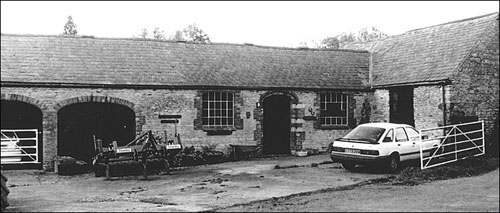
<point x="364" y="134"/>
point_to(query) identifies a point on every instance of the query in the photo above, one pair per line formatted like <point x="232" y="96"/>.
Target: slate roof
<point x="143" y="62"/>
<point x="429" y="54"/>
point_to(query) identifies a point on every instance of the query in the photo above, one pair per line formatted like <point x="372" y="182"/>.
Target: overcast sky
<point x="278" y="23"/>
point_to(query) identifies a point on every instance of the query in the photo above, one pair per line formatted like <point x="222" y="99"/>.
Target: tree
<point x="177" y="36"/>
<point x="329" y="43"/>
<point x="191" y="33"/>
<point x="70" y="27"/>
<point x="365" y="35"/>
<point x="144" y="33"/>
<point x="158" y="34"/>
<point x="339" y="41"/>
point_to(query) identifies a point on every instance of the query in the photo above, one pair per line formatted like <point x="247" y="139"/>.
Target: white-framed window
<point x="217" y="109"/>
<point x="333" y="109"/>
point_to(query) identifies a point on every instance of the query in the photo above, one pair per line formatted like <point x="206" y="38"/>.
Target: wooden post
<point x="107" y="169"/>
<point x="145" y="165"/>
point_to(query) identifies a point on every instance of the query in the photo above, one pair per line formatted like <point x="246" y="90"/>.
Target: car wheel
<point x="393" y="163"/>
<point x="349" y="165"/>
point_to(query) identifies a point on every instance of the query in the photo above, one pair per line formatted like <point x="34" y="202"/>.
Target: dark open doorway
<point x="78" y="123"/>
<point x="276" y="125"/>
<point x="401" y="105"/>
<point x="20" y="115"/>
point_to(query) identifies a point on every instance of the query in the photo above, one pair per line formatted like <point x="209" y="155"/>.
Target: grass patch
<point x="413" y="175"/>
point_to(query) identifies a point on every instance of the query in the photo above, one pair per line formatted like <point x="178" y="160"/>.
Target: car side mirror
<point x="425" y="137"/>
<point x="387" y="139"/>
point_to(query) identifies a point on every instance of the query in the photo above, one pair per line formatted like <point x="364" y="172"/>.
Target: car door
<point x="404" y="146"/>
<point x="414" y="139"/>
<point x="387" y="146"/>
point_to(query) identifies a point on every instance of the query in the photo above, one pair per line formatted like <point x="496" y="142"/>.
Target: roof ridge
<point x="181" y="41"/>
<point x="452" y="22"/>
<point x="469" y="52"/>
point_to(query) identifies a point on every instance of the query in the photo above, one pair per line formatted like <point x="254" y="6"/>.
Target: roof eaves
<point x="415" y="83"/>
<point x="143" y="86"/>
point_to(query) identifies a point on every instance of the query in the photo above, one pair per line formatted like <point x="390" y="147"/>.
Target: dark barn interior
<point x="276" y="125"/>
<point x="20" y="115"/>
<point x="78" y="123"/>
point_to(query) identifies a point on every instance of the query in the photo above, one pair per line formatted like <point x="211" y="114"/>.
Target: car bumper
<point x="356" y="158"/>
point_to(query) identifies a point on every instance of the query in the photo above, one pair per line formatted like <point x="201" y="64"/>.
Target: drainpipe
<point x="444" y="104"/>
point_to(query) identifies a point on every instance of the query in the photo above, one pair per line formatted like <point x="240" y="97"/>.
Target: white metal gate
<point x="456" y="142"/>
<point x="19" y="146"/>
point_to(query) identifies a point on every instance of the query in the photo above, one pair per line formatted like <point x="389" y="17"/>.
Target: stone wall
<point x="148" y="104"/>
<point x="379" y="105"/>
<point x="475" y="85"/>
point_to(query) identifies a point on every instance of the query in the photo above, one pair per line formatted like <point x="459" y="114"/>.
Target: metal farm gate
<point x="19" y="146"/>
<point x="457" y="142"/>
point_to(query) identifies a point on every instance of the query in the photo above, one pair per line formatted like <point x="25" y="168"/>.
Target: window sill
<point x="334" y="127"/>
<point x="218" y="130"/>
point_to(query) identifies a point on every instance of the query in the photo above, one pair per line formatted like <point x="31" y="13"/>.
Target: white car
<point x="380" y="144"/>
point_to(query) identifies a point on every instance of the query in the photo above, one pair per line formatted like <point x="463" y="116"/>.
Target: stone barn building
<point x="439" y="75"/>
<point x="74" y="88"/>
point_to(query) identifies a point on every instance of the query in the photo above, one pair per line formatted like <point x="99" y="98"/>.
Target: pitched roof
<point x="145" y="62"/>
<point x="428" y="54"/>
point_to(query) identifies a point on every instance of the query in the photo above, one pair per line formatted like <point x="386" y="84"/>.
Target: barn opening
<point x="78" y="124"/>
<point x="401" y="105"/>
<point x="276" y="125"/>
<point x="21" y="115"/>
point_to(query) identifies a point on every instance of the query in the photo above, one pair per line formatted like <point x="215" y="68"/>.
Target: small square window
<point x="333" y="109"/>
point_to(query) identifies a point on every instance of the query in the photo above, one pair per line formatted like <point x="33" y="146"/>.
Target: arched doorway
<point x="78" y="123"/>
<point x="21" y="115"/>
<point x="276" y="125"/>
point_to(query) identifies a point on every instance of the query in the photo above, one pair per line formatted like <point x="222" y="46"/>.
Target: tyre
<point x="392" y="163"/>
<point x="349" y="165"/>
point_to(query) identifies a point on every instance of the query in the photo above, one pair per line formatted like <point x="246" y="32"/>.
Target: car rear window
<point x="364" y="134"/>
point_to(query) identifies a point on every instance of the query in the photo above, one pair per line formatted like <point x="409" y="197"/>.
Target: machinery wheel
<point x="349" y="165"/>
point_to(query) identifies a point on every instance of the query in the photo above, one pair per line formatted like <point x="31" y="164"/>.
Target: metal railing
<point x="457" y="142"/>
<point x="19" y="146"/>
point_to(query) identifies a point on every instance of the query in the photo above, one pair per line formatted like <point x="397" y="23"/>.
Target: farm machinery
<point x="143" y="148"/>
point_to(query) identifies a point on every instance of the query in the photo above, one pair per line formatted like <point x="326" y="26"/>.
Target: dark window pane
<point x="224" y="96"/>
<point x="212" y="105"/>
<point x="218" y="112"/>
<point x="205" y="113"/>
<point x="205" y="96"/>
<point x="211" y="121"/>
<point x="211" y="96"/>
<point x="205" y="105"/>
<point x="224" y="121"/>
<point x="217" y="96"/>
<point x="230" y="105"/>
<point x="230" y="96"/>
<point x="217" y="121"/>
<point x="205" y="121"/>
<point x="217" y="105"/>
